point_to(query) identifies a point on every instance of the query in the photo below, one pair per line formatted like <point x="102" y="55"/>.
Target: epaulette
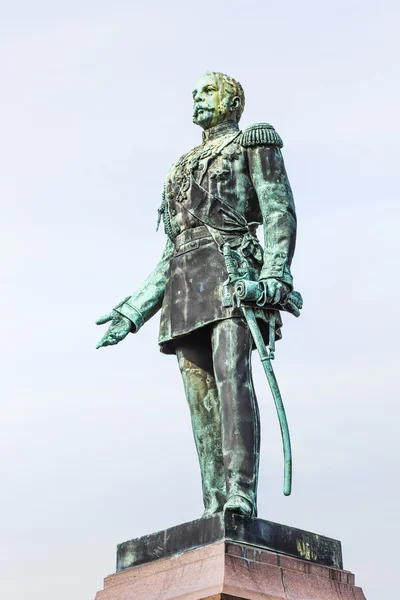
<point x="260" y="134"/>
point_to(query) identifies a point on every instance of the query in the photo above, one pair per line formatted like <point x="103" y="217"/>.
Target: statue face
<point x="211" y="104"/>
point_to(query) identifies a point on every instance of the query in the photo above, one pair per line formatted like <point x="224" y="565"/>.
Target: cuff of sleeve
<point x="131" y="312"/>
<point x="281" y="273"/>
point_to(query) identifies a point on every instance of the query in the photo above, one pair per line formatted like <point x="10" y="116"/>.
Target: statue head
<point x="217" y="98"/>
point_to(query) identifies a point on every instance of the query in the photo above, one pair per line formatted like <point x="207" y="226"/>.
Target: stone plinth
<point x="225" y="569"/>
<point x="234" y="528"/>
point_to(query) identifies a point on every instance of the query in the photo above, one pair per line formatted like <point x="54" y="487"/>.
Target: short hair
<point x="232" y="88"/>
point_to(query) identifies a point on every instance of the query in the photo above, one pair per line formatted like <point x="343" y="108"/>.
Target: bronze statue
<point x="219" y="291"/>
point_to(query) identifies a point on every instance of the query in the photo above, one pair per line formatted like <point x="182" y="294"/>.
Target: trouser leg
<point x="232" y="346"/>
<point x="195" y="363"/>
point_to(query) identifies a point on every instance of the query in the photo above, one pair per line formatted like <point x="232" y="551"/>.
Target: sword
<point x="244" y="288"/>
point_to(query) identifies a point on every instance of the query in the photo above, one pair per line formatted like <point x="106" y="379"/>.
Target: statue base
<point x="229" y="557"/>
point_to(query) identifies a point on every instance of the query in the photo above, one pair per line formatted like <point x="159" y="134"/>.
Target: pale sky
<point x="97" y="445"/>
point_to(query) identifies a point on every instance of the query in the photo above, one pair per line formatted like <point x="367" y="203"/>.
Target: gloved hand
<point x="119" y="328"/>
<point x="276" y="291"/>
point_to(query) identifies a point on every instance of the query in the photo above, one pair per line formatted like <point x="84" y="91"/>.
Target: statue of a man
<point x="219" y="192"/>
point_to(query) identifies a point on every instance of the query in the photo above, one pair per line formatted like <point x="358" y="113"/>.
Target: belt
<point x="196" y="233"/>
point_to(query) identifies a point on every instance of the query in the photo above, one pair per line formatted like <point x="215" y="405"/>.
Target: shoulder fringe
<point x="260" y="134"/>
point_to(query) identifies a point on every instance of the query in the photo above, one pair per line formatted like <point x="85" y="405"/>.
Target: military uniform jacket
<point x="219" y="191"/>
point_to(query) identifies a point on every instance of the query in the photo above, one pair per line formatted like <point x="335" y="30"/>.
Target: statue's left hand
<point x="276" y="291"/>
<point x="118" y="329"/>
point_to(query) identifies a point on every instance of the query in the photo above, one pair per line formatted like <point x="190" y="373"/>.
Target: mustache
<point x="201" y="107"/>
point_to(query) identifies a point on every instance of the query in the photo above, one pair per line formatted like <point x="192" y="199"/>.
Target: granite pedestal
<point x="229" y="557"/>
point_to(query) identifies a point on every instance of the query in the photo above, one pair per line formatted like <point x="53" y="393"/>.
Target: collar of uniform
<point x="220" y="130"/>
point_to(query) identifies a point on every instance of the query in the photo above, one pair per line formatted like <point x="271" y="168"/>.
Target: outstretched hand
<point x="118" y="329"/>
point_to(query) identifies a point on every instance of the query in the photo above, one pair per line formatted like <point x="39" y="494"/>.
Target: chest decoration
<point x="231" y="152"/>
<point x="191" y="164"/>
<point x="179" y="179"/>
<point x="219" y="170"/>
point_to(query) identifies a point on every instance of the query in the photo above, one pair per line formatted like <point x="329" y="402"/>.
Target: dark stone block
<point x="231" y="528"/>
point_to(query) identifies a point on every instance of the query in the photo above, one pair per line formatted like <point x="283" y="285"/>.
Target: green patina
<point x="220" y="292"/>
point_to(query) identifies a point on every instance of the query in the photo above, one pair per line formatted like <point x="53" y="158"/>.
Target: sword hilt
<point x="230" y="262"/>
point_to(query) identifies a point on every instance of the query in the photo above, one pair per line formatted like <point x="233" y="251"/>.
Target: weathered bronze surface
<point x="215" y="279"/>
